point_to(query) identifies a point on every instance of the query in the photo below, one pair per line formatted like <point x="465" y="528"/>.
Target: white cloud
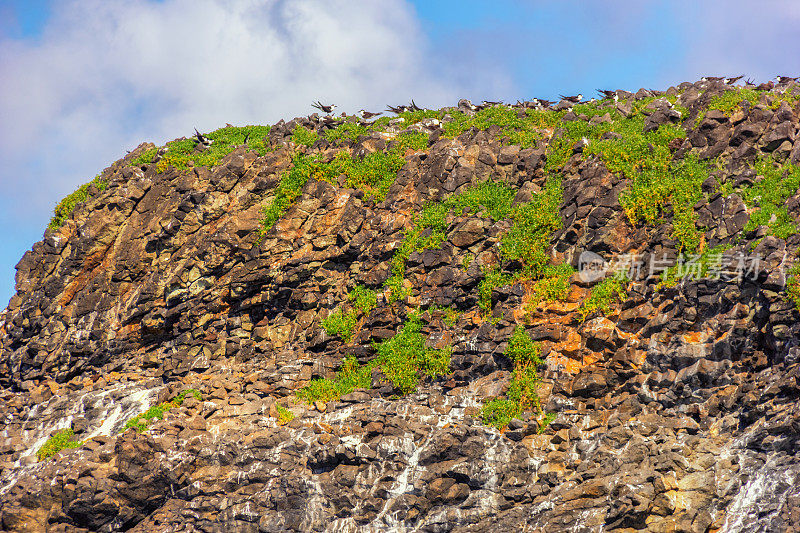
<point x="107" y="74"/>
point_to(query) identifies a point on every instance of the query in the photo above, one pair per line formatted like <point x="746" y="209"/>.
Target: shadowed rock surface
<point x="675" y="410"/>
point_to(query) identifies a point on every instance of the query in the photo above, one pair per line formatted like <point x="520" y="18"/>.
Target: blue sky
<point x="85" y="80"/>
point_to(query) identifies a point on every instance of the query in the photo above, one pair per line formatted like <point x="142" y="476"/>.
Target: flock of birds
<point x="537" y="103"/>
<point x="541" y="103"/>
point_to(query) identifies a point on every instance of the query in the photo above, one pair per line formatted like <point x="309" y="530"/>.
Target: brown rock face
<point x="674" y="410"/>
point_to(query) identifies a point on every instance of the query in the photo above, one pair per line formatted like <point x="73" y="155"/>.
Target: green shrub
<point x="793" y="285"/>
<point x="156" y="412"/>
<point x="284" y="415"/>
<point x="304" y="136"/>
<point x="145" y="158"/>
<point x="350" y="377"/>
<point x="65" y="207"/>
<point x="374" y="173"/>
<point x="428" y="228"/>
<point x="498" y="412"/>
<point x="341" y="324"/>
<point x="521" y="349"/>
<point x="534" y="222"/>
<point x="363" y="298"/>
<point x="183" y="153"/>
<point x="57" y="442"/>
<point x="492" y="279"/>
<point x="522" y="393"/>
<point x="347" y="131"/>
<point x="523" y="131"/>
<point x="730" y="101"/>
<point x="404" y="357"/>
<point x="603" y="295"/>
<point x="553" y="284"/>
<point x="292" y="182"/>
<point x="769" y="195"/>
<point x="413" y="140"/>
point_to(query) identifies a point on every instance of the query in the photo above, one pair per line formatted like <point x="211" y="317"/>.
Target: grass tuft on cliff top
<point x="183" y="153"/>
<point x="65" y="207"/>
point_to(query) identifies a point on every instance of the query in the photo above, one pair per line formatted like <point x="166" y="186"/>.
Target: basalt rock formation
<point x="667" y="404"/>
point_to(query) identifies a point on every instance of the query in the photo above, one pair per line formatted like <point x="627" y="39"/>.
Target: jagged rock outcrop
<point x="676" y="409"/>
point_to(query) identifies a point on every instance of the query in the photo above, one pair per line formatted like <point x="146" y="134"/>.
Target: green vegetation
<point x="603" y="295"/>
<point x="522" y="394"/>
<point x="304" y="136"/>
<point x="492" y="279"/>
<point x="451" y="314"/>
<point x="346" y="131"/>
<point x="68" y="204"/>
<point x="342" y="323"/>
<point x="350" y="377"/>
<point x="374" y="173"/>
<point x="284" y="415"/>
<point x="141" y="421"/>
<point x="183" y="153"/>
<point x="145" y="158"/>
<point x="524" y="131"/>
<point x="553" y="284"/>
<point x="428" y="228"/>
<point x="403" y="359"/>
<point x="534" y="222"/>
<point x="770" y="194"/>
<point x="793" y="285"/>
<point x="695" y="266"/>
<point x="57" y="442"/>
<point x="413" y="140"/>
<point x="731" y="101"/>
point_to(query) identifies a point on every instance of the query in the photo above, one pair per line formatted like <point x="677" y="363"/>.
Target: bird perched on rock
<point x="731" y="81"/>
<point x="397" y="110"/>
<point x="466" y="104"/>
<point x="487" y="104"/>
<point x="712" y="79"/>
<point x="366" y="115"/>
<point x="201" y="139"/>
<point x="749" y="82"/>
<point x="780" y="80"/>
<point x="542" y="103"/>
<point x="573" y="99"/>
<point x="414" y="107"/>
<point x="324" y="108"/>
<point x="609" y="94"/>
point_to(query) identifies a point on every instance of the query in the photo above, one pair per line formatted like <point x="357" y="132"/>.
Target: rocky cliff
<point x="333" y="325"/>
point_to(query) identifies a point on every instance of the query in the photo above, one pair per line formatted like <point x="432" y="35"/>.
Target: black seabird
<point x="366" y="115"/>
<point x="324" y="108"/>
<point x="397" y="110"/>
<point x="573" y="99"/>
<point x="414" y="107"/>
<point x="749" y="82"/>
<point x="201" y="139"/>
<point x="784" y="79"/>
<point x="731" y="81"/>
<point x="466" y="104"/>
<point x="712" y="79"/>
<point x="609" y="94"/>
